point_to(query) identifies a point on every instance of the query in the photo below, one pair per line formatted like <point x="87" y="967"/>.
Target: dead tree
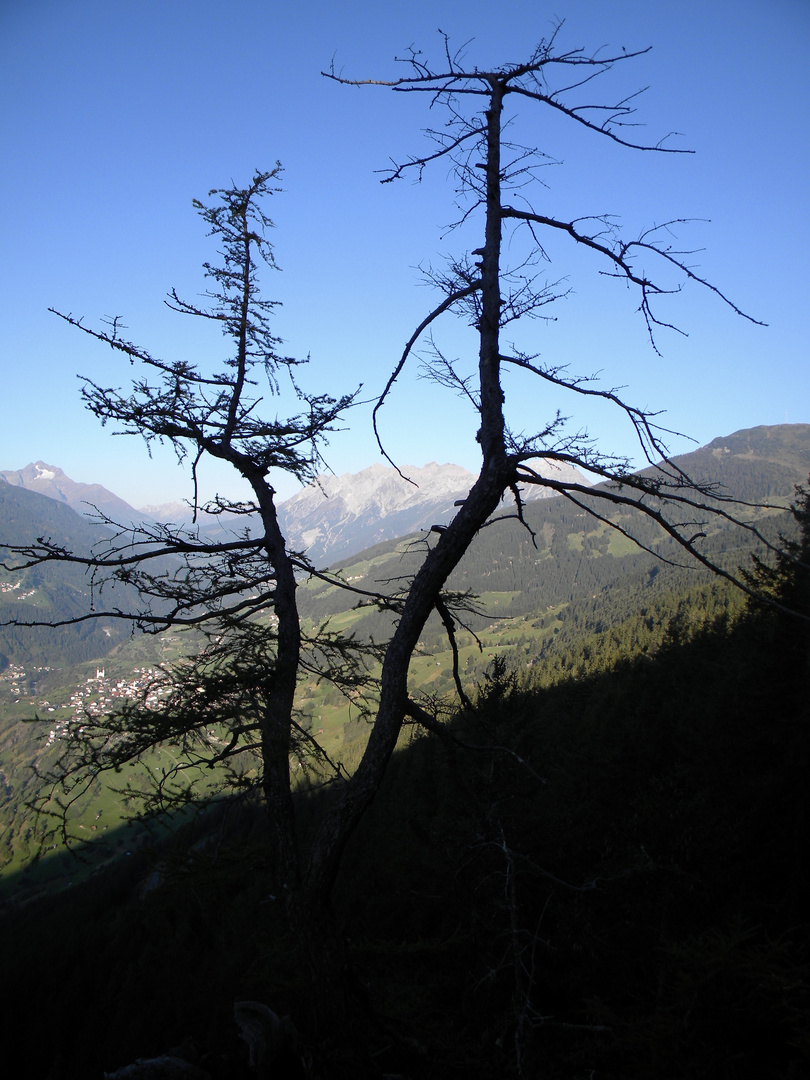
<point x="482" y="288"/>
<point x="243" y="679"/>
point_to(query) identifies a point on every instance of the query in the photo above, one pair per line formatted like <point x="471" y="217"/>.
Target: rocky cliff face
<point x="329" y="520"/>
<point x="341" y="515"/>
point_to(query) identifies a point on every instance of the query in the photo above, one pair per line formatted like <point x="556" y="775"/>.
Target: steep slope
<point x="85" y="499"/>
<point x="570" y="555"/>
<point x="622" y="853"/>
<point x="754" y="464"/>
<point x="53" y="592"/>
<point x="546" y="599"/>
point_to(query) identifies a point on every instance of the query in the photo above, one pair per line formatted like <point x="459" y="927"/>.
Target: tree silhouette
<point x="486" y="290"/>
<point x="233" y="699"/>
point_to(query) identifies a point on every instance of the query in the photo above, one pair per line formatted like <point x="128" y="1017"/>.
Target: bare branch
<point x="437" y="311"/>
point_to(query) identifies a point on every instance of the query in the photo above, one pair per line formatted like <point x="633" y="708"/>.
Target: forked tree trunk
<point x="332" y="1011"/>
<point x="497" y="473"/>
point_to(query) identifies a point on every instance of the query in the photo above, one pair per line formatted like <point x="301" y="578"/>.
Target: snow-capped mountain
<point x="333" y="518"/>
<point x="85" y="499"/>
<point x="338" y="516"/>
<point x="178" y="513"/>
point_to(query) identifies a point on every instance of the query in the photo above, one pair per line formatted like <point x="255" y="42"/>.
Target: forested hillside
<point x="561" y="553"/>
<point x="549" y="596"/>
<point x="755" y="464"/>
<point x="51" y="592"/>
<point x="597" y="868"/>
<point x="604" y="875"/>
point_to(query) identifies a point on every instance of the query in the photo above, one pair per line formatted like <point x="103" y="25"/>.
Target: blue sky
<point x="115" y="115"/>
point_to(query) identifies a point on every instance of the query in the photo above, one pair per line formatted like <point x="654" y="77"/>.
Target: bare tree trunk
<point x="282" y="682"/>
<point x="497" y="473"/>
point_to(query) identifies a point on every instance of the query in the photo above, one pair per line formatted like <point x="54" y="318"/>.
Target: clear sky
<point x="114" y="115"/>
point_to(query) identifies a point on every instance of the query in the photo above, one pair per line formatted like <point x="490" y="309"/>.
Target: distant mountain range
<point x="339" y="516"/>
<point x="333" y="518"/>
<point x="562" y="555"/>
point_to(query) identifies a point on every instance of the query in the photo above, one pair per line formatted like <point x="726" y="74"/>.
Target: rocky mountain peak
<point x="337" y="516"/>
<point x="85" y="499"/>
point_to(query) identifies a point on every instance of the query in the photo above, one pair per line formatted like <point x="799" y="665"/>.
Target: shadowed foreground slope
<point x="618" y="890"/>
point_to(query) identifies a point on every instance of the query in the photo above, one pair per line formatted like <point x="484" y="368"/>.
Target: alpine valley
<point x="368" y="519"/>
<point x="645" y="812"/>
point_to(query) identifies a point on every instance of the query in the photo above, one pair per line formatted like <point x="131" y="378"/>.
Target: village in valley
<point x="96" y="695"/>
<point x="14" y="586"/>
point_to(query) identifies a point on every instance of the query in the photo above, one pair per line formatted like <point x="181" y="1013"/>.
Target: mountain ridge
<point x="85" y="499"/>
<point x="561" y="553"/>
<point x="332" y="518"/>
<point x="57" y="591"/>
<point x="336" y="517"/>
